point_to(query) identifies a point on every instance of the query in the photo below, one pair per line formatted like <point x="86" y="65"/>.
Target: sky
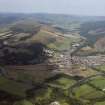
<point x="77" y="7"/>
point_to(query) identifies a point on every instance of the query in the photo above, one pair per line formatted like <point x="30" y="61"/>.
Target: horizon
<point x="26" y="13"/>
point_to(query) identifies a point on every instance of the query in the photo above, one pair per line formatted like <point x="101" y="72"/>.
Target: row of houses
<point x="89" y="60"/>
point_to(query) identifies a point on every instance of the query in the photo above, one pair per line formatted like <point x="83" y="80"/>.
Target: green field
<point x="98" y="82"/>
<point x="100" y="103"/>
<point x="55" y="90"/>
<point x="50" y="94"/>
<point x="93" y="90"/>
<point x="63" y="82"/>
<point x="101" y="68"/>
<point x="13" y="88"/>
<point x="23" y="102"/>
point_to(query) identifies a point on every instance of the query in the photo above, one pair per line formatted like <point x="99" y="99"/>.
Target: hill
<point x="94" y="32"/>
<point x="25" y="42"/>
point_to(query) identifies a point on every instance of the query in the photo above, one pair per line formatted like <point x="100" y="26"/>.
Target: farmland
<point x="91" y="91"/>
<point x="48" y="58"/>
<point x="13" y="87"/>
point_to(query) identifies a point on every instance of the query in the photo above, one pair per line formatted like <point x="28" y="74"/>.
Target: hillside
<point x="66" y="22"/>
<point x="100" y="44"/>
<point x="28" y="31"/>
<point x="94" y="32"/>
<point x="25" y="42"/>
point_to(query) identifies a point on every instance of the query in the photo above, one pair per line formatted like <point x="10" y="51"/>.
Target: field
<point x="83" y="71"/>
<point x="48" y="95"/>
<point x="56" y="88"/>
<point x="61" y="81"/>
<point x="13" y="88"/>
<point x="30" y="72"/>
<point x="23" y="102"/>
<point x="101" y="68"/>
<point x="92" y="90"/>
<point x="100" y="103"/>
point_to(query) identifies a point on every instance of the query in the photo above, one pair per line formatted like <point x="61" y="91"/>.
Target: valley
<point x="48" y="59"/>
